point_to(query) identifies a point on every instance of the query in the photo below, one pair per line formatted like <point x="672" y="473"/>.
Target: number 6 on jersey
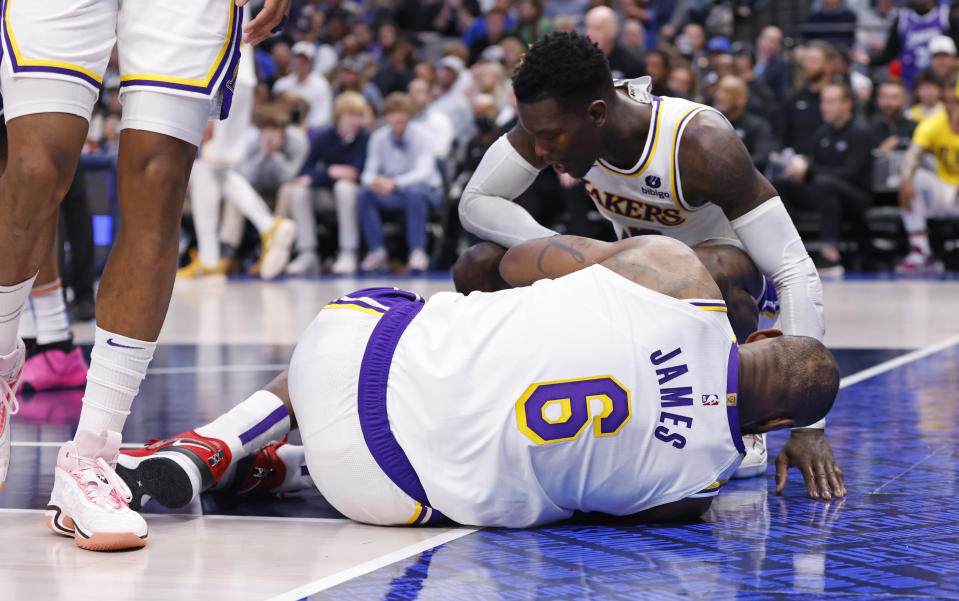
<point x="557" y="411"/>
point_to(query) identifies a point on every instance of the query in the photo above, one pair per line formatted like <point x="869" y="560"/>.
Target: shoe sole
<point x="62" y="524"/>
<point x="165" y="477"/>
<point x="276" y="259"/>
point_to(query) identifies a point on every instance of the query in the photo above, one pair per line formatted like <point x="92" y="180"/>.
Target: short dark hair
<point x="928" y="76"/>
<point x="567" y="67"/>
<point x="844" y="87"/>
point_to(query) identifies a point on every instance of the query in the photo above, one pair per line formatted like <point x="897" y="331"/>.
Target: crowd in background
<point x="369" y="116"/>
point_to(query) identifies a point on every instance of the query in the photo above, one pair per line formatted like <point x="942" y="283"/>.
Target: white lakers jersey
<point x="586" y="393"/>
<point x="648" y="197"/>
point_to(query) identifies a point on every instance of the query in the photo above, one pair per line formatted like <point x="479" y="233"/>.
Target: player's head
<point x="784" y="381"/>
<point x="563" y="90"/>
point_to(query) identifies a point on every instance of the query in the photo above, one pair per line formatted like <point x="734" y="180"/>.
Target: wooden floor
<point x="224" y="339"/>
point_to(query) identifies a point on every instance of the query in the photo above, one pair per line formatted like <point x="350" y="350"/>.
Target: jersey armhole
<point x="675" y="175"/>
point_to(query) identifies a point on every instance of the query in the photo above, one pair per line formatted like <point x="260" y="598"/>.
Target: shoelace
<point x="8" y="397"/>
<point x="103" y="485"/>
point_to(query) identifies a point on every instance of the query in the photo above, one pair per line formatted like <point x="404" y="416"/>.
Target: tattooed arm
<point x="655" y="262"/>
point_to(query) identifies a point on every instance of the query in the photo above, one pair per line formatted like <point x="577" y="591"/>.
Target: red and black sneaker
<point x="173" y="471"/>
<point x="276" y="469"/>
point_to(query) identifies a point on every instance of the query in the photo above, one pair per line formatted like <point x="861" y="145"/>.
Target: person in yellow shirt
<point x="924" y="193"/>
<point x="928" y="91"/>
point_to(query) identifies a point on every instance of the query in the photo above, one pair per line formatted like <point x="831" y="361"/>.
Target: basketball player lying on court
<point x="608" y="381"/>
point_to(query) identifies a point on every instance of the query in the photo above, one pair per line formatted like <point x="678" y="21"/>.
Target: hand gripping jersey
<point x="518" y="407"/>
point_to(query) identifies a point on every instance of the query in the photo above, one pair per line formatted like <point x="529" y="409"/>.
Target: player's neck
<point x="750" y="382"/>
<point x="628" y="128"/>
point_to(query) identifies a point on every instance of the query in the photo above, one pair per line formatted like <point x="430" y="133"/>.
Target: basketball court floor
<point x="894" y="429"/>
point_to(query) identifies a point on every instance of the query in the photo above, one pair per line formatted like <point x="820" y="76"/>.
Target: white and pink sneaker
<point x="90" y="502"/>
<point x="11" y="370"/>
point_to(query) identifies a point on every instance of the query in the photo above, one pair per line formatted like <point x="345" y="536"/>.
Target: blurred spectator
<point x="565" y="23"/>
<point x="450" y="18"/>
<point x="451" y="99"/>
<point x="833" y="179"/>
<point x="308" y="85"/>
<point x="350" y="77"/>
<point x="942" y="57"/>
<point x="762" y="100"/>
<point x="396" y="72"/>
<point x="633" y="38"/>
<point x="874" y="23"/>
<point x="329" y="180"/>
<point x="683" y="83"/>
<point x="513" y="51"/>
<point x="602" y="27"/>
<point x="657" y="67"/>
<point x="925" y="194"/>
<point x="276" y="153"/>
<point x="833" y="22"/>
<point x="400" y="175"/>
<point x="892" y="129"/>
<point x="531" y="25"/>
<point x="909" y="36"/>
<point x="691" y="43"/>
<point x="432" y="120"/>
<point x="801" y="112"/>
<point x="277" y="63"/>
<point x="571" y="9"/>
<point x="494" y="32"/>
<point x="771" y="65"/>
<point x="490" y="78"/>
<point x="928" y="93"/>
<point x="731" y="99"/>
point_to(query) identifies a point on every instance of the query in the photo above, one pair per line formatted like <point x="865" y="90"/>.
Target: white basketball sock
<point x="297" y="475"/>
<point x="117" y="366"/>
<point x="920" y="243"/>
<point x="50" y="313"/>
<point x="206" y="190"/>
<point x="256" y="422"/>
<point x="28" y="322"/>
<point x="12" y="299"/>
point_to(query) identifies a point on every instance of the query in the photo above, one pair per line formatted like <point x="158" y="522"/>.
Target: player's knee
<point x="478" y="269"/>
<point x="36" y="183"/>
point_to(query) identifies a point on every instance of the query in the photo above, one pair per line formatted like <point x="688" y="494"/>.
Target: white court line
<point x="885" y="366"/>
<point x="211" y="369"/>
<point x="374" y="564"/>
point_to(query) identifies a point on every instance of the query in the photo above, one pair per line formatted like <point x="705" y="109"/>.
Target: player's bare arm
<point x="658" y="263"/>
<point x="715" y="167"/>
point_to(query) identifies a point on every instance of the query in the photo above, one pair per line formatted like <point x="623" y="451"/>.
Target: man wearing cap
<point x="942" y="57"/>
<point x="304" y="83"/>
<point x="450" y="97"/>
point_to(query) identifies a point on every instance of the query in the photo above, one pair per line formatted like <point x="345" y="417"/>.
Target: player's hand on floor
<point x="260" y="28"/>
<point x="808" y="450"/>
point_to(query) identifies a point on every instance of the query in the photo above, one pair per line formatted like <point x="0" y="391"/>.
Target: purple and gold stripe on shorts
<point x="732" y="398"/>
<point x="371" y="400"/>
<point x="376" y="301"/>
<point x="709" y="305"/>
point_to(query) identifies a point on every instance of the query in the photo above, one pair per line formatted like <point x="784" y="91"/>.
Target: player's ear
<point x="776" y="423"/>
<point x="763" y="335"/>
<point x="597" y="111"/>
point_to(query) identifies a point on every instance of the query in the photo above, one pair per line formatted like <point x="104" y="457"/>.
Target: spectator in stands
<point x="396" y="72"/>
<point x="602" y="27"/>
<point x="280" y="63"/>
<point x="909" y="36"/>
<point x="495" y="31"/>
<point x="833" y="179"/>
<point x="874" y="23"/>
<point x="513" y="51"/>
<point x="731" y="99"/>
<point x="891" y="128"/>
<point x="801" y="112"/>
<point x="308" y="85"/>
<point x="329" y="180"/>
<point x="276" y="154"/>
<point x="762" y="100"/>
<point x="771" y="64"/>
<point x="633" y="38"/>
<point x="573" y="9"/>
<point x="657" y="67"/>
<point x="531" y="25"/>
<point x="432" y="120"/>
<point x="925" y="194"/>
<point x="400" y="174"/>
<point x="942" y="57"/>
<point x="683" y="83"/>
<point x="928" y="97"/>
<point x="691" y="43"/>
<point x="491" y="78"/>
<point x="351" y="77"/>
<point x="833" y="22"/>
<point x="450" y="18"/>
<point x="451" y="97"/>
